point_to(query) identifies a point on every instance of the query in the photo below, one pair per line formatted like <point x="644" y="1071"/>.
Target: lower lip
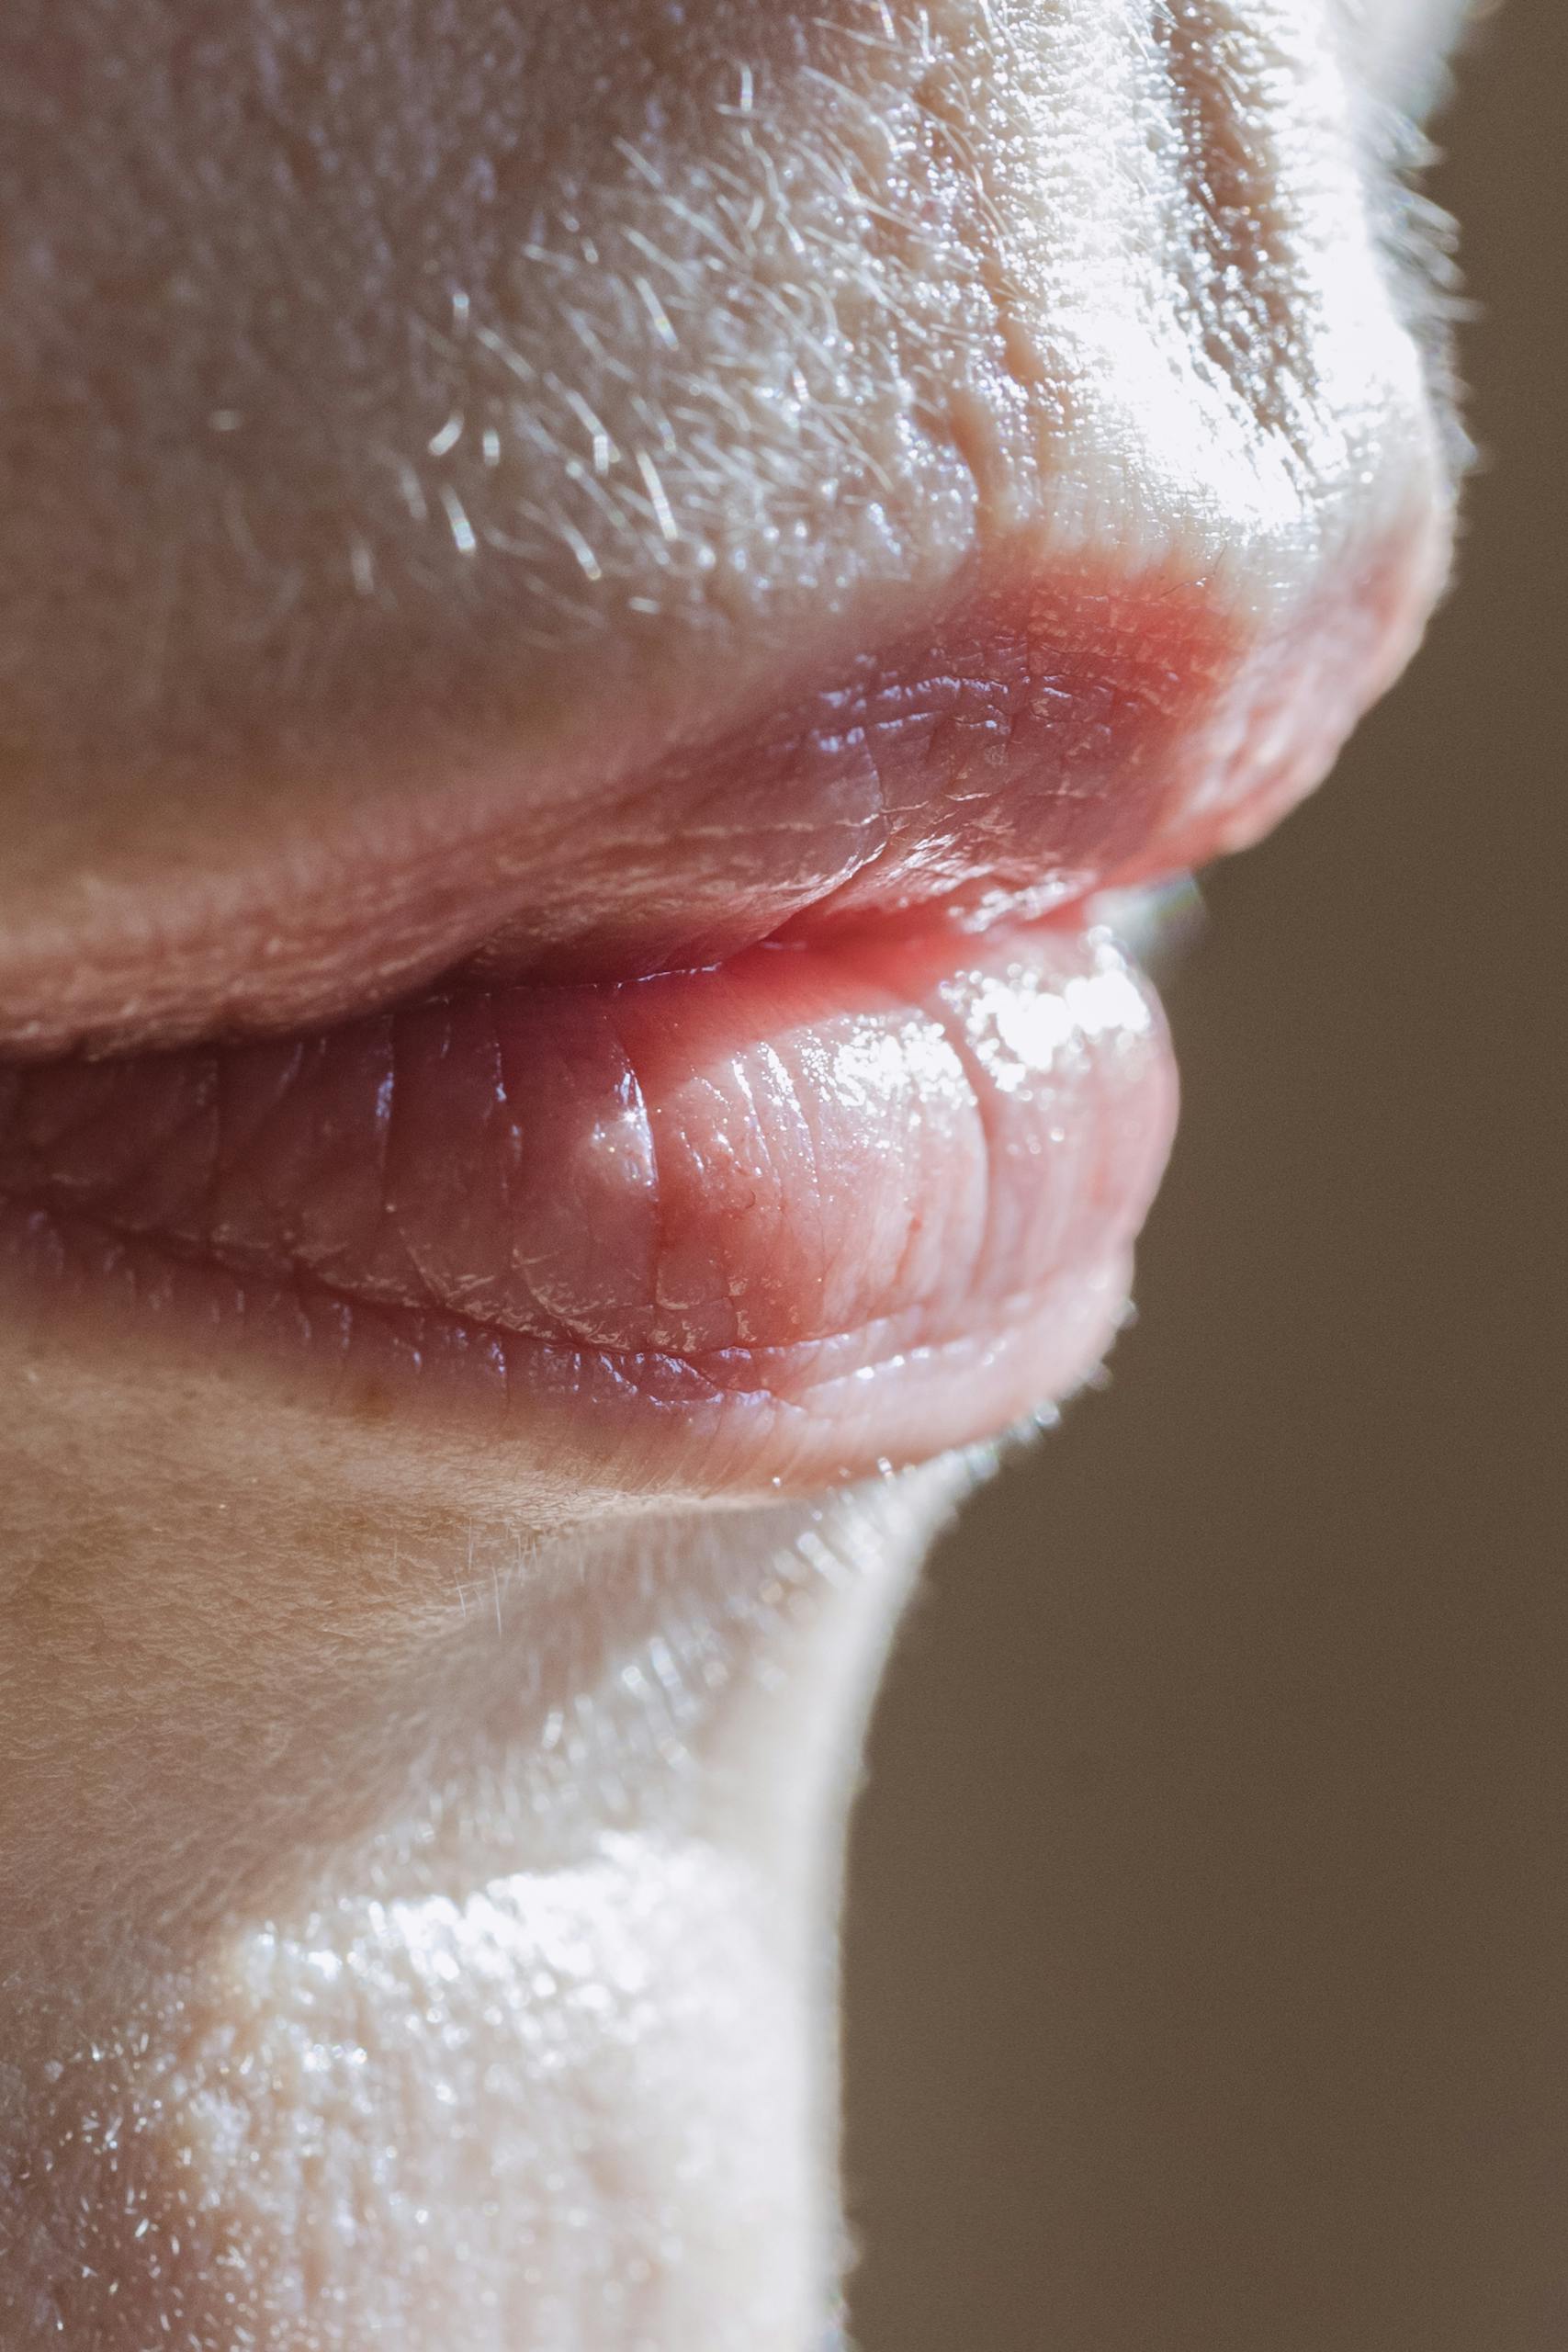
<point x="818" y="1209"/>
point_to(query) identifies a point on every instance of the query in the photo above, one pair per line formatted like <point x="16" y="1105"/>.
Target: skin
<point x="420" y="1855"/>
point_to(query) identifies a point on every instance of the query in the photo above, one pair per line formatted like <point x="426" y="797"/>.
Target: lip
<point x="816" y="1208"/>
<point x="1057" y="725"/>
<point x="861" y="1187"/>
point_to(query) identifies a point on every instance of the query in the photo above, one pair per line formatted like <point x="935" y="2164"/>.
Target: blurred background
<point x="1208" y="1961"/>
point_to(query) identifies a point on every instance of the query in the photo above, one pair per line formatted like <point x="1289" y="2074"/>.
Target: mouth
<point x="795" y="1119"/>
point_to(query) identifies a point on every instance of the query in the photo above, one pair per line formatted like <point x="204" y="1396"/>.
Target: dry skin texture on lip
<point x="778" y="1206"/>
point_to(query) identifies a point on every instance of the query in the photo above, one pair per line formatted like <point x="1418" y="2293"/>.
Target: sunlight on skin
<point x="590" y="599"/>
<point x="495" y="2004"/>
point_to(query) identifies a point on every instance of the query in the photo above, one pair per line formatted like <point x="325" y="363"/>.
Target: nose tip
<point x="1194" y="303"/>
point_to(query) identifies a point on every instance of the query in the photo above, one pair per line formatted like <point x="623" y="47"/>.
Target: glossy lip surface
<point x="815" y="1209"/>
<point x="857" y="1193"/>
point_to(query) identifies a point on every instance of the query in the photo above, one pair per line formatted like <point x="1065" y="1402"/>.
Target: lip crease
<point x="863" y="1186"/>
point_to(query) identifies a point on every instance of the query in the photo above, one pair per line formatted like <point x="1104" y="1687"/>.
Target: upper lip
<point x="1043" y="735"/>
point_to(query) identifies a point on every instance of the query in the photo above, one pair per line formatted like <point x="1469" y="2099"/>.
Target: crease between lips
<point x="1046" y="731"/>
<point x="809" y="1156"/>
<point x="879" y="1172"/>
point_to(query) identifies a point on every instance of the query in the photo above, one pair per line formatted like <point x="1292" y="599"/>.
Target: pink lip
<point x="806" y="1211"/>
<point x="1049" y="734"/>
<point x="855" y="1195"/>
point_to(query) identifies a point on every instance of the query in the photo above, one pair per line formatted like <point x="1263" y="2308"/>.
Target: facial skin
<point x="476" y="476"/>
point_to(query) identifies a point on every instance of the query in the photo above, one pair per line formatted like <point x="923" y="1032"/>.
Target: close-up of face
<point x="616" y="624"/>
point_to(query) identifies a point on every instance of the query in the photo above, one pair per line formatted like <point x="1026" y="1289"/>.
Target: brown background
<point x="1208" y="1973"/>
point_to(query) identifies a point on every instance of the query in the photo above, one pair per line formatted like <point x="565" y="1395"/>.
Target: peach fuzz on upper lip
<point x="812" y="1210"/>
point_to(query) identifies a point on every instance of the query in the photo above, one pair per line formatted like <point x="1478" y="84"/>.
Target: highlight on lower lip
<point x="822" y="1207"/>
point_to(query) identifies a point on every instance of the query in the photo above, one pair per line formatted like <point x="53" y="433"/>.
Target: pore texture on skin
<point x="525" y="392"/>
<point x="561" y="567"/>
<point x="510" y="2021"/>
